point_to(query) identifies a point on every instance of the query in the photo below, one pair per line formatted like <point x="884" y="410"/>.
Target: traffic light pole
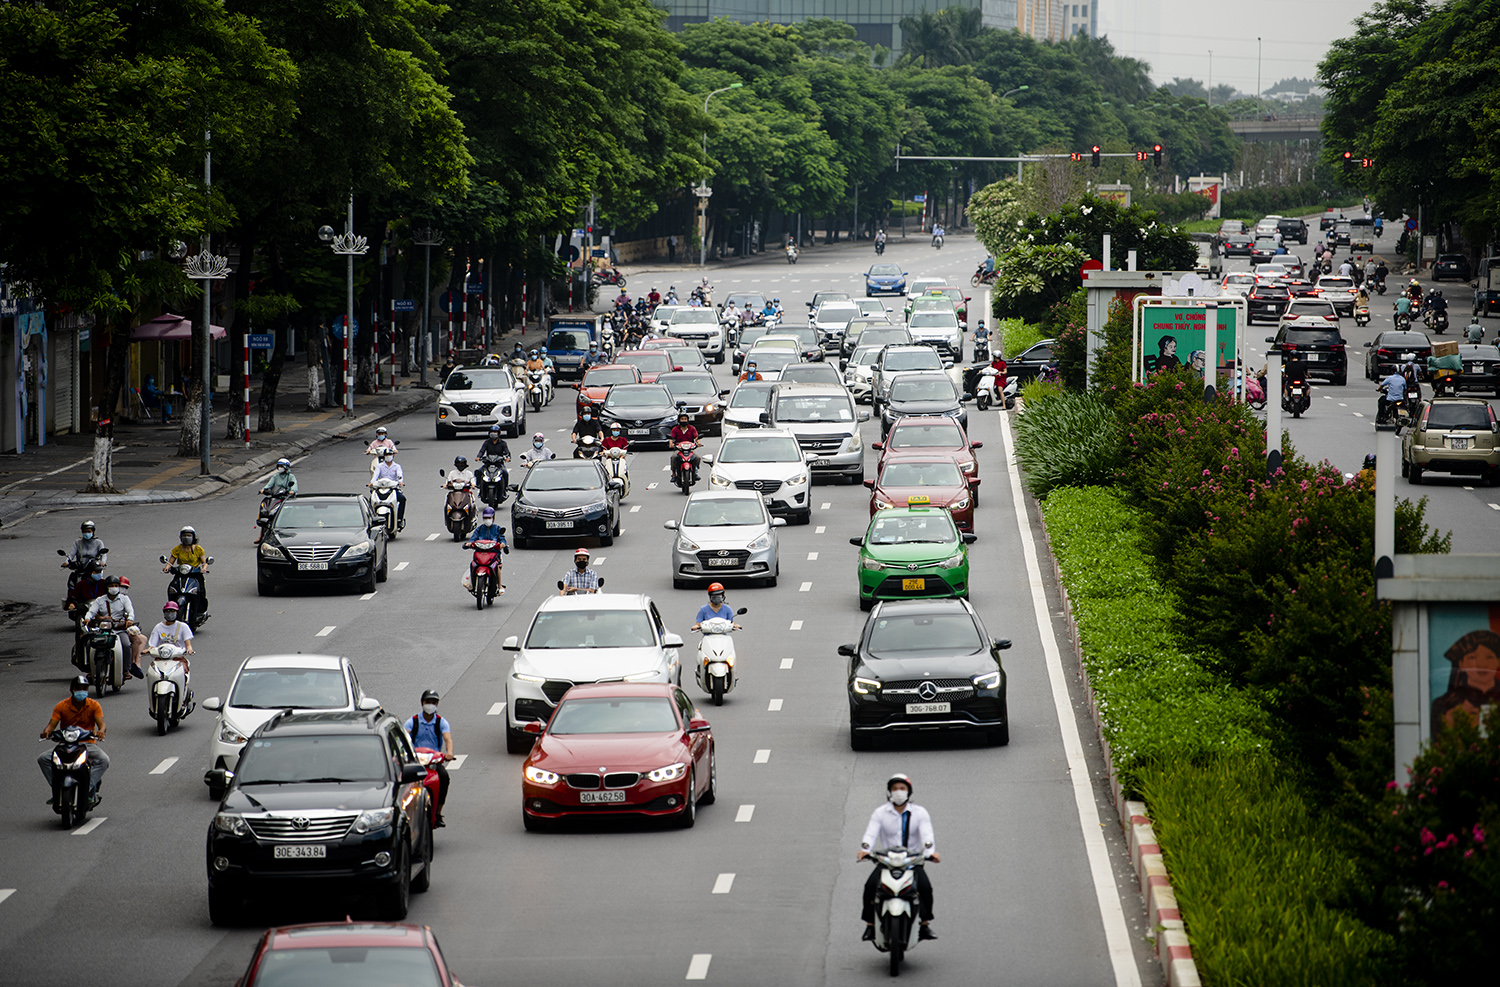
<point x="1014" y="160"/>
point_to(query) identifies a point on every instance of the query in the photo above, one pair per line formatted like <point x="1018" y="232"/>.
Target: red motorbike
<point x="426" y="756"/>
<point x="682" y="466"/>
<point x="484" y="571"/>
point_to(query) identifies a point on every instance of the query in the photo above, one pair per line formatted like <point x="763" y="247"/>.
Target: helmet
<point x="87" y="527"/>
<point x="904" y="779"/>
<point x="682" y="416"/>
<point x="388" y="454"/>
<point x="715" y="588"/>
<point x="1370" y="461"/>
<point x="283" y="464"/>
<point x="430" y="696"/>
<point x="487" y="512"/>
<point x="580" y="551"/>
<point x="124" y="582"/>
<point x="534" y="351"/>
<point x="494" y="429"/>
<point x="460" y="463"/>
<point x="1412" y="281"/>
<point x="169" y="607"/>
<point x="539" y="437"/>
<point x="112" y="581"/>
<point x="79" y="683"/>
<point x="188" y="533"/>
<point x="381" y="431"/>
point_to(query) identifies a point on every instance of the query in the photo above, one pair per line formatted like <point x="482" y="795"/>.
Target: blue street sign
<point x="473" y="289"/>
<point x="338" y="327"/>
<point x="404" y="305"/>
<point x="259" y="340"/>
<point x="919" y="198"/>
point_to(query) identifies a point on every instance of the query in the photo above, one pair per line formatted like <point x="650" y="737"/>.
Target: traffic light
<point x="1095" y="151"/>
<point x="1156" y="154"/>
<point x="1140" y="155"/>
<point x="1348" y="157"/>
<point x="1075" y="156"/>
<point x="1367" y="162"/>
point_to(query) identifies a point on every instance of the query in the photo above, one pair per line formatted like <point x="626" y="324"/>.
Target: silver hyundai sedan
<point x="725" y="535"/>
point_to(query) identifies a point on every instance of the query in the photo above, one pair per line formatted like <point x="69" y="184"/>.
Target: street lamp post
<point x="1257" y="73"/>
<point x="350" y="246"/>
<point x="703" y="191"/>
<point x="208" y="268"/>
<point x="427" y="237"/>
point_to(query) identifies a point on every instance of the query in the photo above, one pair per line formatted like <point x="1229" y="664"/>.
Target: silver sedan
<point x="725" y="535"/>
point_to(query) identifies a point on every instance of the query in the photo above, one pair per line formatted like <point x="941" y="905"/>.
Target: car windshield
<point x="1465" y="416"/>
<point x="559" y="475"/>
<point x="638" y="397"/>
<point x="335" y="514"/>
<point x="811" y="373"/>
<point x="807" y="337"/>
<point x="838" y="314"/>
<point x="478" y="380"/>
<point x="281" y="760"/>
<point x="931" y="304"/>
<point x="934" y="435"/>
<point x="347" y="966"/>
<point x="651" y="363"/>
<point x="903" y="634"/>
<point x="944" y="474"/>
<point x="691" y="386"/>
<point x="1474" y="352"/>
<point x="616" y="714"/>
<point x="591" y="629"/>
<point x="882" y="336"/>
<point x="290" y="688"/>
<point x="608" y="376"/>
<point x="922" y="389"/>
<point x="1404" y="340"/>
<point x="864" y="356"/>
<point x="885" y="271"/>
<point x="712" y="513"/>
<point x="750" y="335"/>
<point x="567" y="341"/>
<point x="750" y="397"/>
<point x="750" y="301"/>
<point x="760" y="449"/>
<point x="933" y="320"/>
<point x="815" y="408"/>
<point x="1336" y="283"/>
<point x="920" y="529"/>
<point x="922" y="359"/>
<point x="1313" y="337"/>
<point x="775" y="359"/>
<point x="830" y="296"/>
<point x="684" y="316"/>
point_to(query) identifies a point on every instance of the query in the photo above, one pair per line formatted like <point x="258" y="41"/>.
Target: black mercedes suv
<point x="322" y="802"/>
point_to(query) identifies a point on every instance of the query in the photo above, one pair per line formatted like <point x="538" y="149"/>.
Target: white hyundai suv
<point x="266" y="685"/>
<point x="587" y="637"/>
<point x="475" y="398"/>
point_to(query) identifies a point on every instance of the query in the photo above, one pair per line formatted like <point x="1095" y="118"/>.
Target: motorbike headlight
<point x="671" y="772"/>
<point x="989" y="680"/>
<point x="864" y="686"/>
<point x="874" y="565"/>
<point x="539" y="777"/>
<point x="360" y="548"/>
<point x="231" y="823"/>
<point x="229" y="735"/>
<point x="960" y="504"/>
<point x="685" y="544"/>
<point x="719" y="481"/>
<point x="760" y="544"/>
<point x="269" y="550"/>
<point x="797" y="480"/>
<point x="953" y="561"/>
<point x="374" y="819"/>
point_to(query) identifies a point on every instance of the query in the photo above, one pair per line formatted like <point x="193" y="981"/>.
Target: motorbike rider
<point x="460" y="472"/>
<point x="172" y="631"/>
<point x="1392" y="392"/>
<point x="937" y="233"/>
<point x="1414" y="292"/>
<point x="982" y="333"/>
<point x="654" y="298"/>
<point x="671" y="298"/>
<point x="750" y="373"/>
<point x="768" y="311"/>
<point x="116" y="606"/>
<point x="389" y="469"/>
<point x="87" y="588"/>
<point x="880" y="236"/>
<point x="428" y="729"/>
<point x="78" y="710"/>
<point x="1436" y="303"/>
<point x="1403" y="306"/>
<point x="684" y="431"/>
<point x="898" y="821"/>
<point x="488" y="530"/>
<point x="715" y="607"/>
<point x="622" y="301"/>
<point x="581" y="579"/>
<point x="592" y="357"/>
<point x="1474" y="332"/>
<point x="282" y="483"/>
<point x="587" y="424"/>
<point x="616" y="438"/>
<point x="538" y="450"/>
<point x="382" y="441"/>
<point x="534" y="361"/>
<point x="494" y="447"/>
<point x="87" y="548"/>
<point x="188" y="550"/>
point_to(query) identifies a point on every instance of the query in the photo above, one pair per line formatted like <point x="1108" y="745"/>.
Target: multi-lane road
<point x="1034" y="889"/>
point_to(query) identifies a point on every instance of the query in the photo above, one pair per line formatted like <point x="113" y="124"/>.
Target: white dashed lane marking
<point x="812" y="556"/>
<point x="164" y="766"/>
<point x="774" y="706"/>
<point x="723" y="883"/>
<point x="369" y="596"/>
<point x="7" y="892"/>
<point x="496" y="709"/>
<point x="698" y="966"/>
<point x="651" y="486"/>
<point x="600" y="560"/>
<point x="786" y="662"/>
<point x="1495" y="507"/>
<point x="433" y="537"/>
<point x="326" y="631"/>
<point x="762" y="756"/>
<point x="805" y="588"/>
<point x="401" y="565"/>
<point x="819" y="530"/>
<point x="746" y="811"/>
<point x="457" y="762"/>
<point x="90" y="826"/>
<point x="824" y="506"/>
<point x="796" y="626"/>
<point x="634" y="508"/>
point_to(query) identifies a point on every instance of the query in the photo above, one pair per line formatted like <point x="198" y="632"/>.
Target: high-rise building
<point x="1081" y="18"/>
<point x="876" y="22"/>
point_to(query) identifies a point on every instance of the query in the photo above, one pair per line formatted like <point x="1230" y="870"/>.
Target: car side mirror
<point x="1270" y="339"/>
<point x="875" y="445"/>
<point x="412" y="772"/>
<point x="368" y="703"/>
<point x="511" y="643"/>
<point x="847" y="650"/>
<point x="213" y="703"/>
<point x="869" y="483"/>
<point x="778" y="522"/>
<point x="698" y="725"/>
<point x="857" y="541"/>
<point x="533" y="726"/>
<point x="974" y="481"/>
<point x="947" y="364"/>
<point x="864" y="416"/>
<point x="970" y="538"/>
<point x="615" y="483"/>
<point x="1369" y="344"/>
<point x="670" y="525"/>
<point x="708" y="458"/>
<point x="670" y="640"/>
<point x="765" y="418"/>
<point x="724" y="393"/>
<point x="1001" y="644"/>
<point x="976" y="445"/>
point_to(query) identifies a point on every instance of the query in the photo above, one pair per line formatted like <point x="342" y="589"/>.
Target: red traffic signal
<point x="1095" y="151"/>
<point x="1156" y="154"/>
<point x="1140" y="155"/>
<point x="1075" y="156"/>
<point x="1367" y="162"/>
<point x="1348" y="157"/>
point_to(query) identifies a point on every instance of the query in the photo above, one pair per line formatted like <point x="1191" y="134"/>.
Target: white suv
<point x="588" y="637"/>
<point x="699" y="327"/>
<point x="475" y="398"/>
<point x="768" y="461"/>
<point x="266" y="685"/>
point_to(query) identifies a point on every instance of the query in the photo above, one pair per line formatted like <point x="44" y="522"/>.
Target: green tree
<point x="933" y="39"/>
<point x="1031" y="278"/>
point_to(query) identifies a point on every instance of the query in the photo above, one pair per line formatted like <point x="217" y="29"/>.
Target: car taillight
<point x="1289" y="347"/>
<point x="1338" y="347"/>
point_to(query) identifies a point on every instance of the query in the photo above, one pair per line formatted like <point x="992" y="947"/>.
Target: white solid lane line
<point x="1111" y="913"/>
<point x="434" y="536"/>
<point x="326" y="631"/>
<point x="774" y="706"/>
<point x="796" y="626"/>
<point x="805" y="588"/>
<point x="164" y="766"/>
<point x="401" y="565"/>
<point x="786" y="663"/>
<point x="698" y="966"/>
<point x="496" y="709"/>
<point x="746" y="811"/>
<point x="90" y="826"/>
<point x="7" y="892"/>
<point x="369" y="596"/>
<point x="812" y="556"/>
<point x="723" y="883"/>
<point x="457" y="762"/>
<point x="762" y="756"/>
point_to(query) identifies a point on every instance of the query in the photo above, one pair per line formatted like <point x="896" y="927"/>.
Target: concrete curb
<point x="1173" y="950"/>
<point x="415" y="399"/>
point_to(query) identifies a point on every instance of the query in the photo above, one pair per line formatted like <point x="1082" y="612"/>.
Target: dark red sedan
<point x="597" y="381"/>
<point x="620" y="748"/>
<point x="348" y="954"/>
<point x="924" y="481"/>
<point x="933" y="435"/>
<point x="651" y="363"/>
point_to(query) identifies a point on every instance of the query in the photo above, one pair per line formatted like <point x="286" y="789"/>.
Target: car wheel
<point x="680" y="583"/>
<point x="1405" y="468"/>
<point x="712" y="795"/>
<point x="606" y="540"/>
<point x="855" y="479"/>
<point x="860" y="741"/>
<point x="1342" y="380"/>
<point x="806" y="518"/>
<point x="224" y="908"/>
<point x="367" y="585"/>
<point x="772" y="580"/>
<point x="520" y="541"/>
<point x="534" y="825"/>
<point x="423" y="881"/>
<point x="265" y="587"/>
<point x="690" y="809"/>
<point x="1415" y="475"/>
<point x="392" y="903"/>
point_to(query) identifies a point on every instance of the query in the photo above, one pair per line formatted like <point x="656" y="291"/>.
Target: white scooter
<point x="385" y="506"/>
<point x="896" y="903"/>
<point x="617" y="467"/>
<point x="986" y="395"/>
<point x="171" y="697"/>
<point x="716" y="656"/>
<point x="536" y="391"/>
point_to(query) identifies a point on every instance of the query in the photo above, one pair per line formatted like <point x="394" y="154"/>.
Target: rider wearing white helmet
<point x="897" y="822"/>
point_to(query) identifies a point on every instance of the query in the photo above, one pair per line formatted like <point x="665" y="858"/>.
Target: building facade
<point x="1080" y="18"/>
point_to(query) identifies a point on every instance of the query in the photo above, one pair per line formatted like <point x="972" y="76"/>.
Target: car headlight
<point x="653" y="675"/>
<point x="360" y="548"/>
<point x="967" y="466"/>
<point x="710" y="408"/>
<point x="685" y="544"/>
<point x="865" y="686"/>
<point x="669" y="773"/>
<point x="521" y="510"/>
<point x="270" y="550"/>
<point x="797" y="480"/>
<point x="960" y="504"/>
<point x="760" y="544"/>
<point x="231" y="823"/>
<point x="718" y="481"/>
<point x="524" y="677"/>
<point x="874" y="565"/>
<point x="229" y="735"/>
<point x="989" y="680"/>
<point x="953" y="561"/>
<point x="374" y="819"/>
<point x="505" y="411"/>
<point x="539" y="777"/>
<point x="601" y="507"/>
<point x="855" y="443"/>
<point x="881" y="505"/>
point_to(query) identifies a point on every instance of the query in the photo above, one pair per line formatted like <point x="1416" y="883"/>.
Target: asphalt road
<point x="1020" y="899"/>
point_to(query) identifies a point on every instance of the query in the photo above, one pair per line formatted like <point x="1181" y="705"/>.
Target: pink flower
<point x="1468" y="854"/>
<point x="1427" y="837"/>
<point x="1443" y="885"/>
<point x="1390" y="785"/>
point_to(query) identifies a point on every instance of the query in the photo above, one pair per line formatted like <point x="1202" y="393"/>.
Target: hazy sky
<point x="1176" y="36"/>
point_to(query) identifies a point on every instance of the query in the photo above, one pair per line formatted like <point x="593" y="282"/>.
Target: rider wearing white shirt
<point x="172" y="631"/>
<point x="894" y="823"/>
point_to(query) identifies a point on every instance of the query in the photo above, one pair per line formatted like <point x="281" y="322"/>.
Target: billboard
<point x="1461" y="670"/>
<point x="1175" y="335"/>
<point x="1208" y="187"/>
<point x="1119" y="193"/>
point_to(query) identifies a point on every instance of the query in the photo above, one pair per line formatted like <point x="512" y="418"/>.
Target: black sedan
<point x="1238" y="245"/>
<point x="1481" y="368"/>
<point x="925" y="665"/>
<point x="697" y="393"/>
<point x="566" y="498"/>
<point x="1032" y="362"/>
<point x="1394" y="347"/>
<point x="1264" y="251"/>
<point x="646" y="412"/>
<point x="321" y="538"/>
<point x="921" y="393"/>
<point x="1451" y="266"/>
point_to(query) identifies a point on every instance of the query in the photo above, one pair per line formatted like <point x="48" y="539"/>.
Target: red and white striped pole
<point x="393" y="341"/>
<point x="247" y="390"/>
<point x="525" y="312"/>
<point x="923" y="225"/>
<point x="452" y="308"/>
<point x="466" y="307"/>
<point x="375" y="342"/>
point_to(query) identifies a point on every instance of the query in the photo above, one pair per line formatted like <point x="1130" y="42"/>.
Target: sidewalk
<point x="147" y="469"/>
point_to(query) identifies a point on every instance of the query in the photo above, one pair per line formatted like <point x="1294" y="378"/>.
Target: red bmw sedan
<point x="620" y="748"/>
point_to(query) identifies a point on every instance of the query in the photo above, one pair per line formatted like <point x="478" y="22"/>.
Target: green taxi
<point x="912" y="553"/>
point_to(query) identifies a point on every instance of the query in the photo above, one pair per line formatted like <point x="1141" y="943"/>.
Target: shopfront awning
<point x="169" y="326"/>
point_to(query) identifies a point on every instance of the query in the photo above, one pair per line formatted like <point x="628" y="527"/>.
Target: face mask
<point x="716" y="599"/>
<point x="88" y="536"/>
<point x="899" y="796"/>
<point x="81" y="696"/>
<point x="582" y="564"/>
<point x="536" y="445"/>
<point x="429" y="708"/>
<point x="588" y="418"/>
<point x="114" y="591"/>
<point x="169" y="617"/>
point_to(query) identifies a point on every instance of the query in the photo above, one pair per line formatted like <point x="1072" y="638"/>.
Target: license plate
<point x="299" y="851"/>
<point x="587" y="798"/>
<point x="913" y="584"/>
<point x="917" y="709"/>
<point x="474" y="418"/>
<point x="727" y="562"/>
<point x="1460" y="443"/>
<point x="1314" y="356"/>
<point x="821" y="462"/>
<point x="559" y="524"/>
<point x="639" y="431"/>
<point x="1408" y="356"/>
<point x="313" y="566"/>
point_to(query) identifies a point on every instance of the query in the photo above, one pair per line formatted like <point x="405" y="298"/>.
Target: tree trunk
<point x="270" y="380"/>
<point x="192" y="419"/>
<point x="102" y="474"/>
<point x="117" y="336"/>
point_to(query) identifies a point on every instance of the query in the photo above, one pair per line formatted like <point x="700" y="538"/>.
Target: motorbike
<point x="385" y="506"/>
<point x="535" y="392"/>
<point x="1255" y="392"/>
<point x="1403" y="319"/>
<point x="1296" y="396"/>
<point x="85" y="584"/>
<point x="78" y="568"/>
<point x="1361" y="315"/>
<point x="187" y="590"/>
<point x="682" y="466"/>
<point x="791" y="253"/>
<point x="879" y="247"/>
<point x="982" y="345"/>
<point x="982" y="383"/>
<point x="1438" y="322"/>
<point x="937" y="242"/>
<point x="896" y="903"/>
<point x="588" y="447"/>
<point x="617" y="467"/>
<point x="492" y="480"/>
<point x="716" y="656"/>
<point x="981" y="276"/>
<point x="426" y="756"/>
<point x="71" y="795"/>
<point x="1379" y="284"/>
<point x="458" y="510"/>
<point x="104" y="656"/>
<point x="269" y="505"/>
<point x="483" y="579"/>
<point x="374" y="451"/>
<point x="704" y="292"/>
<point x="608" y="275"/>
<point x="170" y="698"/>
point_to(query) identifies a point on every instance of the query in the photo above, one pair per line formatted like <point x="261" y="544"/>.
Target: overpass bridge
<point x="1271" y="131"/>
